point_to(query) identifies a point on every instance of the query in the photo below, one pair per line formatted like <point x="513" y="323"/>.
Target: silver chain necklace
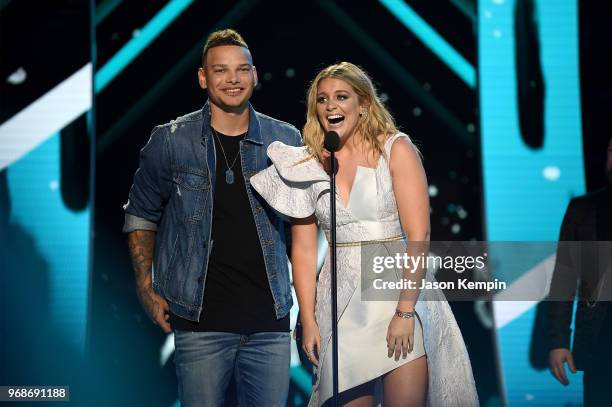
<point x="229" y="173"/>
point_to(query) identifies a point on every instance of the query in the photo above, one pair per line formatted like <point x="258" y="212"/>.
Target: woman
<point x="415" y="347"/>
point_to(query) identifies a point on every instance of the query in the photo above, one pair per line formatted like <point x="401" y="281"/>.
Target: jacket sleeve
<point x="564" y="281"/>
<point x="297" y="139"/>
<point x="152" y="185"/>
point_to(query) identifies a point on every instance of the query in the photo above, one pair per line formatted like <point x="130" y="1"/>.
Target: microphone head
<point x="332" y="141"/>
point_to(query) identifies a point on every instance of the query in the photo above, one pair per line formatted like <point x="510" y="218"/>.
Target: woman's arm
<point x="304" y="264"/>
<point x="304" y="270"/>
<point x="410" y="190"/>
<point x="412" y="199"/>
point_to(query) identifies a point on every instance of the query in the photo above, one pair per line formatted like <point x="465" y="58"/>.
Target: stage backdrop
<point x="532" y="165"/>
<point x="45" y="190"/>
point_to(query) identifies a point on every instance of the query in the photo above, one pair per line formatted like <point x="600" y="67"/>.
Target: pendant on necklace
<point x="229" y="176"/>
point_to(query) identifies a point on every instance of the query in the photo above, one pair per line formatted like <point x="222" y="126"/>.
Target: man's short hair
<point x="222" y="37"/>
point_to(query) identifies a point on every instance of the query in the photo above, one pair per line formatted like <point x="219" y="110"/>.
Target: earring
<point x="363" y="114"/>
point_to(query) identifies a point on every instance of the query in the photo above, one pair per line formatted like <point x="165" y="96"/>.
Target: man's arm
<point x="562" y="292"/>
<point x="152" y="185"/>
<point x="144" y="209"/>
<point x="564" y="281"/>
<point x="142" y="247"/>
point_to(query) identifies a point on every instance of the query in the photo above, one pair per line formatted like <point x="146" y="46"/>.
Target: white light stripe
<point x="535" y="283"/>
<point x="166" y="350"/>
<point x="46" y="116"/>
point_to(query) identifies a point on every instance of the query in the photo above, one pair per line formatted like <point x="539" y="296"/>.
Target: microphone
<point x="332" y="141"/>
<point x="332" y="144"/>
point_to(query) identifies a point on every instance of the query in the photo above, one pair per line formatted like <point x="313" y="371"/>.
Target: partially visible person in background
<point x="588" y="219"/>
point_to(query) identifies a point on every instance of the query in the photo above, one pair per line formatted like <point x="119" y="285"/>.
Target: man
<point x="588" y="219"/>
<point x="209" y="255"/>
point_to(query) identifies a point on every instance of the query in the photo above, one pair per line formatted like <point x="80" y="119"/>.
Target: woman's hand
<point x="400" y="337"/>
<point x="311" y="341"/>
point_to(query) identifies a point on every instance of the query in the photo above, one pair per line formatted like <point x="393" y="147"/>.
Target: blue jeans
<point x="205" y="362"/>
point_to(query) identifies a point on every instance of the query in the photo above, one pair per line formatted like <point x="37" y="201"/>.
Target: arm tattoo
<point x="142" y="246"/>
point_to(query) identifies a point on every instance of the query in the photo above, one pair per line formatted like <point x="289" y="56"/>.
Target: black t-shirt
<point x="237" y="296"/>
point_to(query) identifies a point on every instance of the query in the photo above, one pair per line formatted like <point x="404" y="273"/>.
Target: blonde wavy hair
<point x="375" y="122"/>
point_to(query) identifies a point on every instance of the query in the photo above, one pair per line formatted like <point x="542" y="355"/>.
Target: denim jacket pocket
<point x="190" y="193"/>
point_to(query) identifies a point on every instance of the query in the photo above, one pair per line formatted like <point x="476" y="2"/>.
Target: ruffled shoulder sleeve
<point x="287" y="185"/>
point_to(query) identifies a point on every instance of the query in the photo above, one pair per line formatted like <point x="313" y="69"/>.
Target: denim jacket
<point x="173" y="194"/>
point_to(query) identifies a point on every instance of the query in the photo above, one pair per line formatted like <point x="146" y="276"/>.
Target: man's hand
<point x="156" y="307"/>
<point x="556" y="359"/>
<point x="142" y="246"/>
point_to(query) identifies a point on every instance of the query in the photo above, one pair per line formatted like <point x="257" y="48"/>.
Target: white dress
<point x="298" y="188"/>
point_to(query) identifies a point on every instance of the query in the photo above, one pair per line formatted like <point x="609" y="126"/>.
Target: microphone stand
<point x="334" y="279"/>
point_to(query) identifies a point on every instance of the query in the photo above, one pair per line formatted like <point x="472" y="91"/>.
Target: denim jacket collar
<point x="253" y="135"/>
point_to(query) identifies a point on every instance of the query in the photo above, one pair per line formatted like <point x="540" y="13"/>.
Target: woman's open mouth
<point x="335" y="120"/>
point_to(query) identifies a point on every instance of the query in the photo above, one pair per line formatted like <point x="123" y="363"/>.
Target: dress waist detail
<point x="369" y="242"/>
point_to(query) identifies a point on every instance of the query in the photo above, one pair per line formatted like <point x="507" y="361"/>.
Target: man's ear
<point x="255" y="81"/>
<point x="202" y="78"/>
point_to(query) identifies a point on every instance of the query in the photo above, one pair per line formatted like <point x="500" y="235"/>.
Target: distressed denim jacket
<point x="173" y="194"/>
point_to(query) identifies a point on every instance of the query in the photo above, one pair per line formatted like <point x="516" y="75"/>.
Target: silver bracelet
<point x="404" y="314"/>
